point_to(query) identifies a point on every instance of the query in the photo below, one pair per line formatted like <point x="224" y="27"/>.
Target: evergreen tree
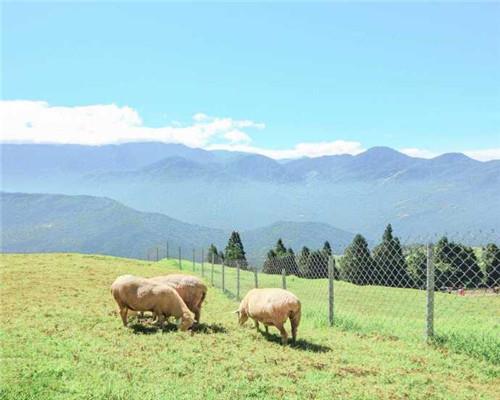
<point x="327" y="249"/>
<point x="356" y="264"/>
<point x="416" y="265"/>
<point x="490" y="260"/>
<point x="235" y="251"/>
<point x="269" y="266"/>
<point x="317" y="265"/>
<point x="389" y="262"/>
<point x="303" y="258"/>
<point x="280" y="248"/>
<point x="213" y="252"/>
<point x="456" y="265"/>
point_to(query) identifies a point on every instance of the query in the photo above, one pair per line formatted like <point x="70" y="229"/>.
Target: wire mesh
<point x="379" y="289"/>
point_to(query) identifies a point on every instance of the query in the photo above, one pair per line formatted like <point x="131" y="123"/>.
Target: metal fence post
<point x="194" y="255"/>
<point x="212" y="271"/>
<point x="331" y="269"/>
<point x="180" y="258"/>
<point x="167" y="251"/>
<point x="202" y="263"/>
<point x="283" y="278"/>
<point x="223" y="277"/>
<point x="256" y="278"/>
<point x="237" y="280"/>
<point x="429" y="332"/>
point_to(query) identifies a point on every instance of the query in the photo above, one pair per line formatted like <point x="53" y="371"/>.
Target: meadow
<point x="61" y="338"/>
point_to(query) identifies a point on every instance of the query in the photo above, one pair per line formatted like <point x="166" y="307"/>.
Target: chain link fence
<point x="446" y="289"/>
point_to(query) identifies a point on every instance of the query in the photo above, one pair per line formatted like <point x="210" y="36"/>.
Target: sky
<point x="284" y="80"/>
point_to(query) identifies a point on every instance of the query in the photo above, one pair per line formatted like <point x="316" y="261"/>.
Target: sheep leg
<point x="160" y="320"/>
<point x="197" y="313"/>
<point x="123" y="314"/>
<point x="267" y="328"/>
<point x="256" y="324"/>
<point x="294" y="323"/>
<point x="284" y="335"/>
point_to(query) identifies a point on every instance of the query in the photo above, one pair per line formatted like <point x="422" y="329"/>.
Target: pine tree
<point x="234" y="251"/>
<point x="317" y="265"/>
<point x="490" y="259"/>
<point x="416" y="266"/>
<point x="213" y="252"/>
<point x="389" y="262"/>
<point x="456" y="265"/>
<point x="269" y="266"/>
<point x="357" y="263"/>
<point x="303" y="258"/>
<point x="280" y="248"/>
<point x="327" y="249"/>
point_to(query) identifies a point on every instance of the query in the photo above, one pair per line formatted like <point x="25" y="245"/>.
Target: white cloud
<point x="421" y="153"/>
<point x="39" y="122"/>
<point x="484" y="155"/>
<point x="310" y="149"/>
<point x="26" y="121"/>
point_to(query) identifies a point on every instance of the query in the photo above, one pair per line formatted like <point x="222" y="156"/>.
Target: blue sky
<point x="422" y="76"/>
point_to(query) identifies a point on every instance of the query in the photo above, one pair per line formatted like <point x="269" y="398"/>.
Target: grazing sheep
<point x="140" y="294"/>
<point x="271" y="307"/>
<point x="191" y="289"/>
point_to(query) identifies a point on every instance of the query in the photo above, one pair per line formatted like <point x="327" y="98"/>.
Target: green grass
<point x="62" y="338"/>
<point x="469" y="324"/>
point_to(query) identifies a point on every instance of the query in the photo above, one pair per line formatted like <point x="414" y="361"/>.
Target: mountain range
<point x="230" y="190"/>
<point x="87" y="224"/>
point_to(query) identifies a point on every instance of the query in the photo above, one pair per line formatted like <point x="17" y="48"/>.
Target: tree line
<point x="388" y="264"/>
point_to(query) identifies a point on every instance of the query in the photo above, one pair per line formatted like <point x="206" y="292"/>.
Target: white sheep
<point x="191" y="289"/>
<point x="272" y="307"/>
<point x="140" y="294"/>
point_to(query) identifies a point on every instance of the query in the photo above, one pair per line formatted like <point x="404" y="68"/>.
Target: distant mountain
<point x="295" y="235"/>
<point x="86" y="224"/>
<point x="362" y="193"/>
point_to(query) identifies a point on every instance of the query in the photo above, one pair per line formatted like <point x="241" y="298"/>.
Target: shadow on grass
<point x="208" y="328"/>
<point x="141" y="329"/>
<point x="300" y="344"/>
<point x="150" y="329"/>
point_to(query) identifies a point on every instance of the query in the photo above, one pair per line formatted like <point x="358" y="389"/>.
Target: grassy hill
<point x="88" y="224"/>
<point x="62" y="338"/>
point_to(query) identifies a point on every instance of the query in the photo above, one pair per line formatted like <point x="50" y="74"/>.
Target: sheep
<point x="271" y="307"/>
<point x="140" y="294"/>
<point x="191" y="289"/>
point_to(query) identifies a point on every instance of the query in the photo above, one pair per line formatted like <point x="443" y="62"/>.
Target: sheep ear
<point x="236" y="312"/>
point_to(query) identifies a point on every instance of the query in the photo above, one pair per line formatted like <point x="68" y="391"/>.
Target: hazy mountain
<point x="226" y="190"/>
<point x="295" y="235"/>
<point x="61" y="223"/>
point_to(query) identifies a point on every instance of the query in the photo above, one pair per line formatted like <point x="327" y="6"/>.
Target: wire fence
<point x="442" y="290"/>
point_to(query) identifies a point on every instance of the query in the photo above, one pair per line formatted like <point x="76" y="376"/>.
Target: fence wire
<point x="447" y="289"/>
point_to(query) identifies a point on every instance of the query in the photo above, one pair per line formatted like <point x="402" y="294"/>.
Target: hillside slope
<point x="86" y="224"/>
<point x="70" y="343"/>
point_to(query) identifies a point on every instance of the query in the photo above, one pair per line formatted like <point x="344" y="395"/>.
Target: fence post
<point x="429" y="332"/>
<point x="237" y="280"/>
<point x="202" y="262"/>
<point x="194" y="255"/>
<point x="180" y="258"/>
<point x="167" y="251"/>
<point x="283" y="278"/>
<point x="212" y="271"/>
<point x="256" y="278"/>
<point x="223" y="277"/>
<point x="331" y="269"/>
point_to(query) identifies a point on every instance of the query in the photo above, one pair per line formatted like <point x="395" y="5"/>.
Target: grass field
<point x="469" y="324"/>
<point x="62" y="338"/>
